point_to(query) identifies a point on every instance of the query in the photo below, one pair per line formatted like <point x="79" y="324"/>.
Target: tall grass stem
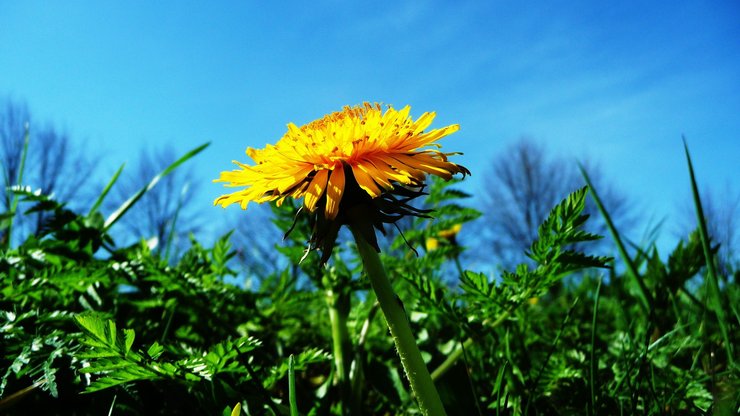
<point x="338" y="304"/>
<point x="106" y="190"/>
<point x="645" y="296"/>
<point x="709" y="259"/>
<point x="173" y="224"/>
<point x="291" y="387"/>
<point x="123" y="208"/>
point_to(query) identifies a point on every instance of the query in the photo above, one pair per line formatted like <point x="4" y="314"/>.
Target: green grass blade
<point x="645" y="296"/>
<point x="709" y="258"/>
<point x="291" y="387"/>
<point x="112" y="405"/>
<point x="173" y="229"/>
<point x="14" y="203"/>
<point x="594" y="364"/>
<point x="106" y="190"/>
<point x="118" y="213"/>
<point x="497" y="387"/>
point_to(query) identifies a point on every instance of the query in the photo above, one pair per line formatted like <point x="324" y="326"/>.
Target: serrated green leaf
<point x="477" y="281"/>
<point x="94" y="326"/>
<point x="129" y="336"/>
<point x="155" y="350"/>
<point x="111" y="333"/>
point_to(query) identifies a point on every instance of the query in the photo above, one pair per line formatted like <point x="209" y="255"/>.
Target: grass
<point x="89" y="327"/>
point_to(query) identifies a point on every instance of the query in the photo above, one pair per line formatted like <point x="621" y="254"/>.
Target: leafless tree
<point x="165" y="213"/>
<point x="524" y="183"/>
<point x="54" y="165"/>
<point x="58" y="169"/>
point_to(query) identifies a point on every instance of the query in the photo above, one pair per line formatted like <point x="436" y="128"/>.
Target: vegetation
<point x="90" y="327"/>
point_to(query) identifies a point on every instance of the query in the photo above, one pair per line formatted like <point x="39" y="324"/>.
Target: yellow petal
<point x="293" y="178"/>
<point x="372" y="172"/>
<point x="423" y="122"/>
<point x="334" y="192"/>
<point x="315" y="190"/>
<point x="383" y="146"/>
<point x="366" y="182"/>
<point x="384" y="168"/>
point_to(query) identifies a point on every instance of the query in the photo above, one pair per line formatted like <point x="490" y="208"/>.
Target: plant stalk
<point x="338" y="304"/>
<point x="646" y="298"/>
<point x="594" y="364"/>
<point x="395" y="316"/>
<point x="356" y="372"/>
<point x="458" y="352"/>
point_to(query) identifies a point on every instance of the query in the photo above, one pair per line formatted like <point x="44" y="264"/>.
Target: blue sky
<point x="618" y="83"/>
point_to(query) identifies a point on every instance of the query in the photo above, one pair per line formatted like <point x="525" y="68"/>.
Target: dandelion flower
<point x="361" y="156"/>
<point x="361" y="167"/>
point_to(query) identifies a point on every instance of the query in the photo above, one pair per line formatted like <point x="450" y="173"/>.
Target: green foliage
<point x="88" y="327"/>
<point x="553" y="253"/>
<point x="110" y="355"/>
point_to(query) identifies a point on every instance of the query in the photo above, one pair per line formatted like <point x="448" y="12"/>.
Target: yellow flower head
<point x="432" y="244"/>
<point x="354" y="156"/>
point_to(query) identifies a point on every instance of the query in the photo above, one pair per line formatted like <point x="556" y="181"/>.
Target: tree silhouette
<point x="58" y="169"/>
<point x="54" y="165"/>
<point x="14" y="121"/>
<point x="525" y="183"/>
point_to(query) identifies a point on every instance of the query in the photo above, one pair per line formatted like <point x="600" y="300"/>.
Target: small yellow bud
<point x="432" y="243"/>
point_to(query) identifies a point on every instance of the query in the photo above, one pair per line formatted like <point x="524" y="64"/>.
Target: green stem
<point x="356" y="374"/>
<point x="172" y="230"/>
<point x="416" y="371"/>
<point x="594" y="364"/>
<point x="339" y="305"/>
<point x="291" y="387"/>
<point x="458" y="352"/>
<point x="451" y="359"/>
<point x="458" y="265"/>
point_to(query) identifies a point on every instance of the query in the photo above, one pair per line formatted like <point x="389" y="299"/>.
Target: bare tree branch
<point x="58" y="169"/>
<point x="54" y="166"/>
